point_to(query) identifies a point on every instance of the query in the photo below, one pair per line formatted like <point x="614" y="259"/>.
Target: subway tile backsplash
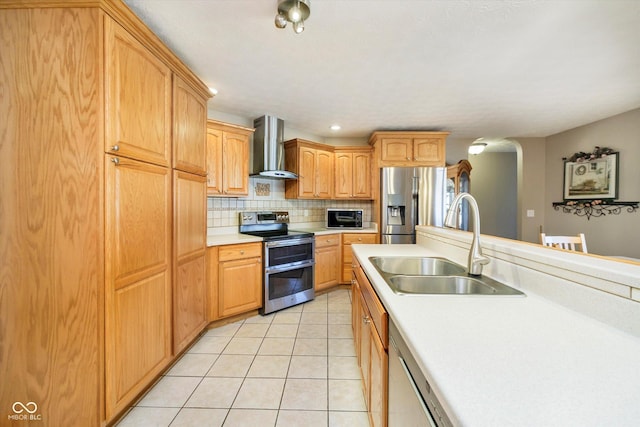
<point x="268" y="195"/>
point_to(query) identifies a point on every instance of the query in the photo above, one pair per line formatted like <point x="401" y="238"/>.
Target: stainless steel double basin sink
<point x="433" y="275"/>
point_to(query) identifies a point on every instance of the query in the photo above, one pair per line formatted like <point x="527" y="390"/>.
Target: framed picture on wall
<point x="592" y="179"/>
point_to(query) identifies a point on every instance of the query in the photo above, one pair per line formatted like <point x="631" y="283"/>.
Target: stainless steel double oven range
<point x="288" y="258"/>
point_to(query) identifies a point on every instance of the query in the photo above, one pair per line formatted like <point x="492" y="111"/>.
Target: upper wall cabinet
<point x="313" y="163"/>
<point x="189" y="129"/>
<point x="138" y="95"/>
<point x="227" y="159"/>
<point x="352" y="173"/>
<point x="409" y="148"/>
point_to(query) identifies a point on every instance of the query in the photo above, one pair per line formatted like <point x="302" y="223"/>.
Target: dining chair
<point x="564" y="242"/>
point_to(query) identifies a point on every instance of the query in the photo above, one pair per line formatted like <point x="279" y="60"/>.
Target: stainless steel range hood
<point x="268" y="149"/>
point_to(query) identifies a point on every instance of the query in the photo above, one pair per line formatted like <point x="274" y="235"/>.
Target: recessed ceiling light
<point x="335" y="127"/>
<point x="213" y="90"/>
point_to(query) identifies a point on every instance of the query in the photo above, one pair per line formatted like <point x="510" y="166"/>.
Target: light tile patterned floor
<point x="296" y="367"/>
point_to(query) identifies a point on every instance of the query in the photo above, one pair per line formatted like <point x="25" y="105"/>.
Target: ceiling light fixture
<point x="477" y="147"/>
<point x="335" y="127"/>
<point x="294" y="11"/>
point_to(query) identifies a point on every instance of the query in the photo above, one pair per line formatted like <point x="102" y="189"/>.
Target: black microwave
<point x="344" y="218"/>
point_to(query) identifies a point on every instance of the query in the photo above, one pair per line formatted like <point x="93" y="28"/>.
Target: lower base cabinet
<point x="370" y="327"/>
<point x="239" y="278"/>
<point x="328" y="266"/>
<point x="349" y="239"/>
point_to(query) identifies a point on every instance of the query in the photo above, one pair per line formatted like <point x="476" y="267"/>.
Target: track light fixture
<point x="294" y="11"/>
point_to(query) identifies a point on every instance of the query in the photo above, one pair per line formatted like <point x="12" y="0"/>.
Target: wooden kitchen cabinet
<point x="328" y="265"/>
<point x="395" y="148"/>
<point x="313" y="163"/>
<point x="239" y="278"/>
<point x="189" y="284"/>
<point x="347" y="257"/>
<point x="137" y="277"/>
<point x="87" y="241"/>
<point x="138" y="99"/>
<point x="352" y="173"/>
<point x="370" y="324"/>
<point x="355" y="314"/>
<point x="189" y="128"/>
<point x="227" y="157"/>
<point x="459" y="181"/>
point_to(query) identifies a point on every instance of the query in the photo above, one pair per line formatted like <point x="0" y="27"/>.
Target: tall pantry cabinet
<point x="102" y="212"/>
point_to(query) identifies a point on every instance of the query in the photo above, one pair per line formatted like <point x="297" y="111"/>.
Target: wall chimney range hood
<point x="268" y="149"/>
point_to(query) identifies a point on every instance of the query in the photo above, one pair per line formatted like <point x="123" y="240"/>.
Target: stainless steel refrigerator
<point x="410" y="197"/>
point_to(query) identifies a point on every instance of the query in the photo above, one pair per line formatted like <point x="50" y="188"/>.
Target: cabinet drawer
<point x="357" y="238"/>
<point x="327" y="240"/>
<point x="242" y="251"/>
<point x="376" y="309"/>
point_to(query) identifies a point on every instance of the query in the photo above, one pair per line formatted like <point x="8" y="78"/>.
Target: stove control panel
<point x="265" y="217"/>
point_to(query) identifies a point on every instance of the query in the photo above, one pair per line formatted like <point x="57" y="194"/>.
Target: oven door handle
<point x="289" y="242"/>
<point x="291" y="266"/>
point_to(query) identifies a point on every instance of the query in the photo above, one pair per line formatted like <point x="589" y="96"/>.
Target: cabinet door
<point x="344" y="176"/>
<point x="138" y="99"/>
<point x="235" y="164"/>
<point x="239" y="286"/>
<point x="378" y="381"/>
<point x="307" y="173"/>
<point x="212" y="282"/>
<point x="190" y="229"/>
<point x="365" y="348"/>
<point x="137" y="278"/>
<point x="396" y="150"/>
<point x="355" y="314"/>
<point x="189" y="129"/>
<point x="324" y="174"/>
<point x="327" y="271"/>
<point x="429" y="151"/>
<point x="214" y="161"/>
<point x="361" y="176"/>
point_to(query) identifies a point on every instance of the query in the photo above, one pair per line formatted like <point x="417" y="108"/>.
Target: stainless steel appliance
<point x="267" y="154"/>
<point x="411" y="399"/>
<point x="410" y="197"/>
<point x="344" y="218"/>
<point x="288" y="258"/>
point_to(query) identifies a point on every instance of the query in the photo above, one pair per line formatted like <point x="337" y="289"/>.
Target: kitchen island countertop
<point x="513" y="361"/>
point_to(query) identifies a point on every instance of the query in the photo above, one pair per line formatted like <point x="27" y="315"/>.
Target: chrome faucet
<point x="476" y="259"/>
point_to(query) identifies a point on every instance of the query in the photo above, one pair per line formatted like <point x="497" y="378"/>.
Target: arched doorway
<point x="495" y="183"/>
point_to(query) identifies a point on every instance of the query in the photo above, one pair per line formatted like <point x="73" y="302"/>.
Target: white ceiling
<point x="477" y="68"/>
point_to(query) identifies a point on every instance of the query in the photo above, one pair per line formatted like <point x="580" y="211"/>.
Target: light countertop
<point x="513" y="361"/>
<point x="229" y="237"/>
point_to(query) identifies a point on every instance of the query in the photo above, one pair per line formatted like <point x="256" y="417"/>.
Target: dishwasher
<point x="411" y="400"/>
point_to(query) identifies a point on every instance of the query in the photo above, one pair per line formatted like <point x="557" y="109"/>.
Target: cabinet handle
<point x="353" y="282"/>
<point x="242" y="252"/>
<point x="116" y="161"/>
<point x="408" y="158"/>
<point x="115" y="147"/>
<point x="366" y="320"/>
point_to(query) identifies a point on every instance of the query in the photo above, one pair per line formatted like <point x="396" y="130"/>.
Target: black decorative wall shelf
<point x="594" y="208"/>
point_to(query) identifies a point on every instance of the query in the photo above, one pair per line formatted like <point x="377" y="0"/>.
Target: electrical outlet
<point x="531" y="213"/>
